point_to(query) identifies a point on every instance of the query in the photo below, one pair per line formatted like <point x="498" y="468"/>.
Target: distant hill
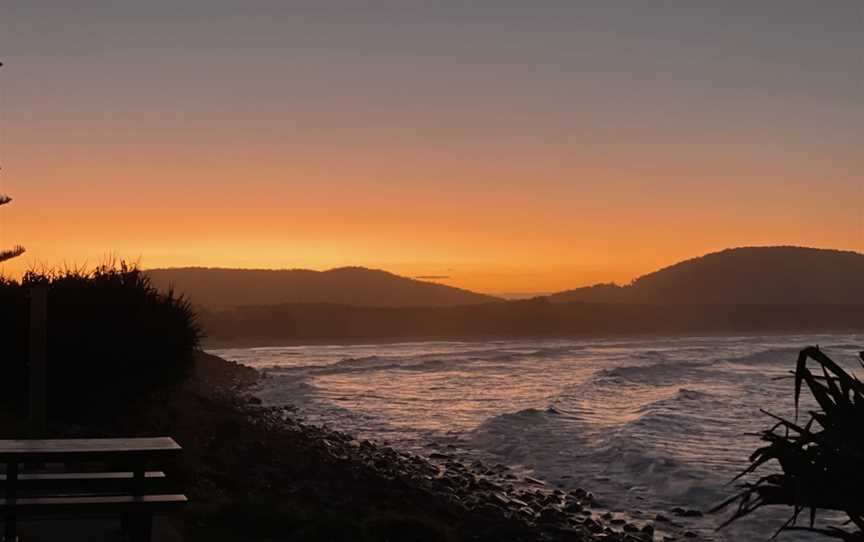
<point x="775" y="276"/>
<point x="356" y="286"/>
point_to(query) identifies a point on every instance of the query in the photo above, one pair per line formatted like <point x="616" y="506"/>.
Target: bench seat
<point x="80" y="480"/>
<point x="92" y="504"/>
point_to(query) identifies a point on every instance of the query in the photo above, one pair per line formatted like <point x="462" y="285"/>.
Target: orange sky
<point x="511" y="153"/>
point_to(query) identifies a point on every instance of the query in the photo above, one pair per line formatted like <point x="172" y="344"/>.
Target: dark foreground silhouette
<point x="821" y="459"/>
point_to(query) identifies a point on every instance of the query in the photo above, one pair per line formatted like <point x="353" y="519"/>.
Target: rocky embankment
<point x="488" y="498"/>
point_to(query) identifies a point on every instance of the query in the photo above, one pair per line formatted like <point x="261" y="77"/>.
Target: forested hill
<point x="773" y="276"/>
<point x="215" y="288"/>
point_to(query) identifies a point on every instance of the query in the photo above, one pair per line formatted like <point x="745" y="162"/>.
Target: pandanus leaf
<point x="821" y="467"/>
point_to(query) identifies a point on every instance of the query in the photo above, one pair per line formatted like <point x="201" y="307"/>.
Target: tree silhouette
<point x="17" y="250"/>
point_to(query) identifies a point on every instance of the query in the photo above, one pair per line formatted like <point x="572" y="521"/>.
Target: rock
<point x="527" y="511"/>
<point x="534" y="481"/>
<point x="573" y="507"/>
<point x="501" y="498"/>
<point x="687" y="513"/>
<point x="550" y="515"/>
<point x="593" y="525"/>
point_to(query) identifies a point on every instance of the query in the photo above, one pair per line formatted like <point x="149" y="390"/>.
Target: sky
<point x="508" y="146"/>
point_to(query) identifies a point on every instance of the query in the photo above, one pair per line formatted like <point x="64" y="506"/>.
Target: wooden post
<point x="38" y="360"/>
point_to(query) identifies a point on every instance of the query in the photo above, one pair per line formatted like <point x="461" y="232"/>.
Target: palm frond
<point x="822" y="462"/>
<point x="13" y="252"/>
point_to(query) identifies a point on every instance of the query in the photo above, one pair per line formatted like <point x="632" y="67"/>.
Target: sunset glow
<point x="505" y="151"/>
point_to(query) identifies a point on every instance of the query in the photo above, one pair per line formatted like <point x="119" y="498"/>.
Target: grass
<point x="822" y="460"/>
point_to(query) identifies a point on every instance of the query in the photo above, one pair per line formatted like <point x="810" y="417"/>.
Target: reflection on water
<point x="644" y="424"/>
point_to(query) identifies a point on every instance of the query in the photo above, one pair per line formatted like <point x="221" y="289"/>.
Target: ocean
<point x="646" y="424"/>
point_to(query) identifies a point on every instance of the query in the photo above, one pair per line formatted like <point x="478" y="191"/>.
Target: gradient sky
<point x="510" y="145"/>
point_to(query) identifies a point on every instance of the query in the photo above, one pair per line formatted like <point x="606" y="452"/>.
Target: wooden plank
<point x="85" y="449"/>
<point x="85" y="476"/>
<point x="86" y="482"/>
<point x="91" y="504"/>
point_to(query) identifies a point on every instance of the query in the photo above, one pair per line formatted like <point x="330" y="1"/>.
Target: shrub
<point x="822" y="462"/>
<point x="112" y="338"/>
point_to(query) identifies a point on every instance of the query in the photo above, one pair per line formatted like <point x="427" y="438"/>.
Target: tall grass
<point x="112" y="338"/>
<point x="822" y="461"/>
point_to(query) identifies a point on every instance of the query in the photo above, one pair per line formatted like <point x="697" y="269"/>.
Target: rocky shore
<point x="486" y="498"/>
<point x="260" y="473"/>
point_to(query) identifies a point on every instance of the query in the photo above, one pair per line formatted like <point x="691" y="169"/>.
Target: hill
<point x="226" y="288"/>
<point x="774" y="276"/>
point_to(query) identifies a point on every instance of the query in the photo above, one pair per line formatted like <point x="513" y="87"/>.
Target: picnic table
<point x="87" y="476"/>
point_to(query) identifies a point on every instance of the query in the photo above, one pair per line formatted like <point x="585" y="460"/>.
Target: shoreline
<point x="207" y="345"/>
<point x="481" y="498"/>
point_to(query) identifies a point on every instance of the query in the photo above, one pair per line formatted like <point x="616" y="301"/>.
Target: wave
<point x="685" y="394"/>
<point x="653" y="374"/>
<point x="769" y="356"/>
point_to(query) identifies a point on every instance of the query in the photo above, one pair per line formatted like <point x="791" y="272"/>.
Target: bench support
<point x="140" y="526"/>
<point x="11" y="527"/>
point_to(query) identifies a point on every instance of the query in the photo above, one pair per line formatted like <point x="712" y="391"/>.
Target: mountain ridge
<point x="772" y="275"/>
<point x="221" y="288"/>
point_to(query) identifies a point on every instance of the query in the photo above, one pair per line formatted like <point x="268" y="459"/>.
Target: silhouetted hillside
<point x="743" y="276"/>
<point x="226" y="288"/>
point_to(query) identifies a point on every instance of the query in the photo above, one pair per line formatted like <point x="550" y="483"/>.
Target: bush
<point x="822" y="462"/>
<point x="112" y="339"/>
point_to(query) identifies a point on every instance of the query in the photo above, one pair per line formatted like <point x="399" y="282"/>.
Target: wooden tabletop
<point x="85" y="449"/>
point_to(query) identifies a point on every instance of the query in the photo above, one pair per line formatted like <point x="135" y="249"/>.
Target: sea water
<point x="647" y="425"/>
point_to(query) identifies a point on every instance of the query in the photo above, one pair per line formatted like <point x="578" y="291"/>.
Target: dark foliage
<point x="17" y="250"/>
<point x="822" y="461"/>
<point x="112" y="338"/>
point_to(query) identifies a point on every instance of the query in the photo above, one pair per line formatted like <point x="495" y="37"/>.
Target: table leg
<point x="139" y="480"/>
<point x="11" y="531"/>
<point x="142" y="527"/>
